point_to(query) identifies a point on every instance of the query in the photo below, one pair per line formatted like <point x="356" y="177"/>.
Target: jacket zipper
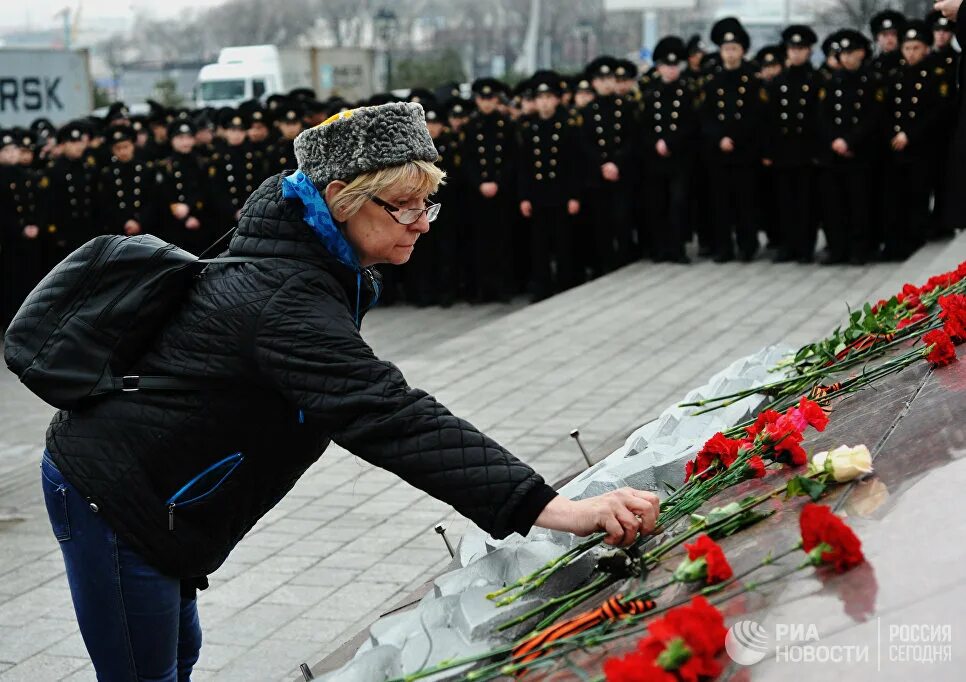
<point x="172" y="501"/>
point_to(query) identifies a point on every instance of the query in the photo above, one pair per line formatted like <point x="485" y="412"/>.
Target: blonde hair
<point x="414" y="177"/>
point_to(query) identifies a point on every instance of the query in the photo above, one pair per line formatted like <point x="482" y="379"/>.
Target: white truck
<point x="44" y="83"/>
<point x="259" y="71"/>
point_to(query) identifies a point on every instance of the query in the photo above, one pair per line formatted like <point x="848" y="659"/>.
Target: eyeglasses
<point x="408" y="216"/>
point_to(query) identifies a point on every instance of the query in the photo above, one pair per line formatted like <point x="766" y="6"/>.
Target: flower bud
<point x="844" y="463"/>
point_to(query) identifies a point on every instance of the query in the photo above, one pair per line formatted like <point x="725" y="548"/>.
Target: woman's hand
<point x="622" y="514"/>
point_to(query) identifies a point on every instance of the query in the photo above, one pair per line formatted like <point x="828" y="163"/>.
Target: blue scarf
<point x="318" y="217"/>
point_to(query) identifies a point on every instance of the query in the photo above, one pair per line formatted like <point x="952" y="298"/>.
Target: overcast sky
<point x="39" y="14"/>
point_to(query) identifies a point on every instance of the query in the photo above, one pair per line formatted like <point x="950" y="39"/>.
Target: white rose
<point x="844" y="463"/>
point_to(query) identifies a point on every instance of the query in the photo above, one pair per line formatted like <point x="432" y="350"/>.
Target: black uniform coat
<point x="850" y="107"/>
<point x="127" y="191"/>
<point x="232" y="172"/>
<point x="69" y="191"/>
<point x="669" y="113"/>
<point x="609" y="134"/>
<point x="917" y="102"/>
<point x="549" y="172"/>
<point x="955" y="198"/>
<point x="792" y="129"/>
<point x="184" y="180"/>
<point x="21" y="257"/>
<point x="732" y="105"/>
<point x="285" y="328"/>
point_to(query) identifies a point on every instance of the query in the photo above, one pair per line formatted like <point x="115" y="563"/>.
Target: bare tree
<point x="858" y="13"/>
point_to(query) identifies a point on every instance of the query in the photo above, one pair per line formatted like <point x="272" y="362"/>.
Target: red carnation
<point x="953" y="314"/>
<point x="685" y="641"/>
<point x="943" y="352"/>
<point x="915" y="319"/>
<point x="813" y="414"/>
<point x="636" y="667"/>
<point x="718" y="567"/>
<point x="839" y="546"/>
<point x="764" y="417"/>
<point x="785" y="441"/>
<point x="717" y="450"/>
<point x="756" y="466"/>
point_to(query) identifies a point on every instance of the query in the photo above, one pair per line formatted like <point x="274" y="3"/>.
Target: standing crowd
<point x="560" y="178"/>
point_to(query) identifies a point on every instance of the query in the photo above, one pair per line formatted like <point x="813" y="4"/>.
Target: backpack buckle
<point x="130" y="382"/>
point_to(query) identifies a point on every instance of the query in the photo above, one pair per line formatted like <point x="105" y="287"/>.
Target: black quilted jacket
<point x="183" y="476"/>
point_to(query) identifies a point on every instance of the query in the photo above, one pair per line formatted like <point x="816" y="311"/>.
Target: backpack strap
<point x="230" y="259"/>
<point x="134" y="382"/>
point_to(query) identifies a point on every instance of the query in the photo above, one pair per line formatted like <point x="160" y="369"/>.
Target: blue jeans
<point x="134" y="621"/>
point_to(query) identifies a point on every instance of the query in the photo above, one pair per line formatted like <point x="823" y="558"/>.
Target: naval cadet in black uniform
<point x="260" y="134"/>
<point x="792" y="134"/>
<point x="488" y="164"/>
<point x="549" y="185"/>
<point x="771" y="62"/>
<point x="608" y="135"/>
<point x="69" y="185"/>
<point x="849" y="123"/>
<point x="183" y="192"/>
<point x="431" y="274"/>
<point x="732" y="107"/>
<point x="231" y="171"/>
<point x="21" y="245"/>
<point x="288" y="121"/>
<point x="918" y="99"/>
<point x="669" y="134"/>
<point x="885" y="29"/>
<point x="126" y="188"/>
<point x="943" y="56"/>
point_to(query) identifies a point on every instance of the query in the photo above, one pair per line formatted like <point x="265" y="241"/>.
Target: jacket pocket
<point x="55" y="498"/>
<point x="202" y="486"/>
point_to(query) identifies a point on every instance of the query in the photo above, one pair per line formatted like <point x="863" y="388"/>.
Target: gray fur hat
<point x="364" y="139"/>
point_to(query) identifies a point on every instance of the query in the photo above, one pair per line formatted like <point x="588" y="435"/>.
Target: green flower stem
<point x="767" y="561"/>
<point x="594" y="585"/>
<point x="544" y="572"/>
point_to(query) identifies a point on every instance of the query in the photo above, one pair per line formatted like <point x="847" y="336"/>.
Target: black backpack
<point x="96" y="313"/>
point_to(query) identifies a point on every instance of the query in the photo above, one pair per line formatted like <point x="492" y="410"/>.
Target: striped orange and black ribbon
<point x="819" y="393"/>
<point x="865" y="343"/>
<point x="613" y="609"/>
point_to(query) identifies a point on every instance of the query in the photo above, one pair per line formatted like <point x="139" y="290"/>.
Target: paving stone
<point x="21" y="643"/>
<point x="296" y="594"/>
<point x="315" y="630"/>
<point x="43" y="667"/>
<point x="216" y="655"/>
<point x="325" y="576"/>
<point x="253" y="624"/>
<point x="245" y="589"/>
